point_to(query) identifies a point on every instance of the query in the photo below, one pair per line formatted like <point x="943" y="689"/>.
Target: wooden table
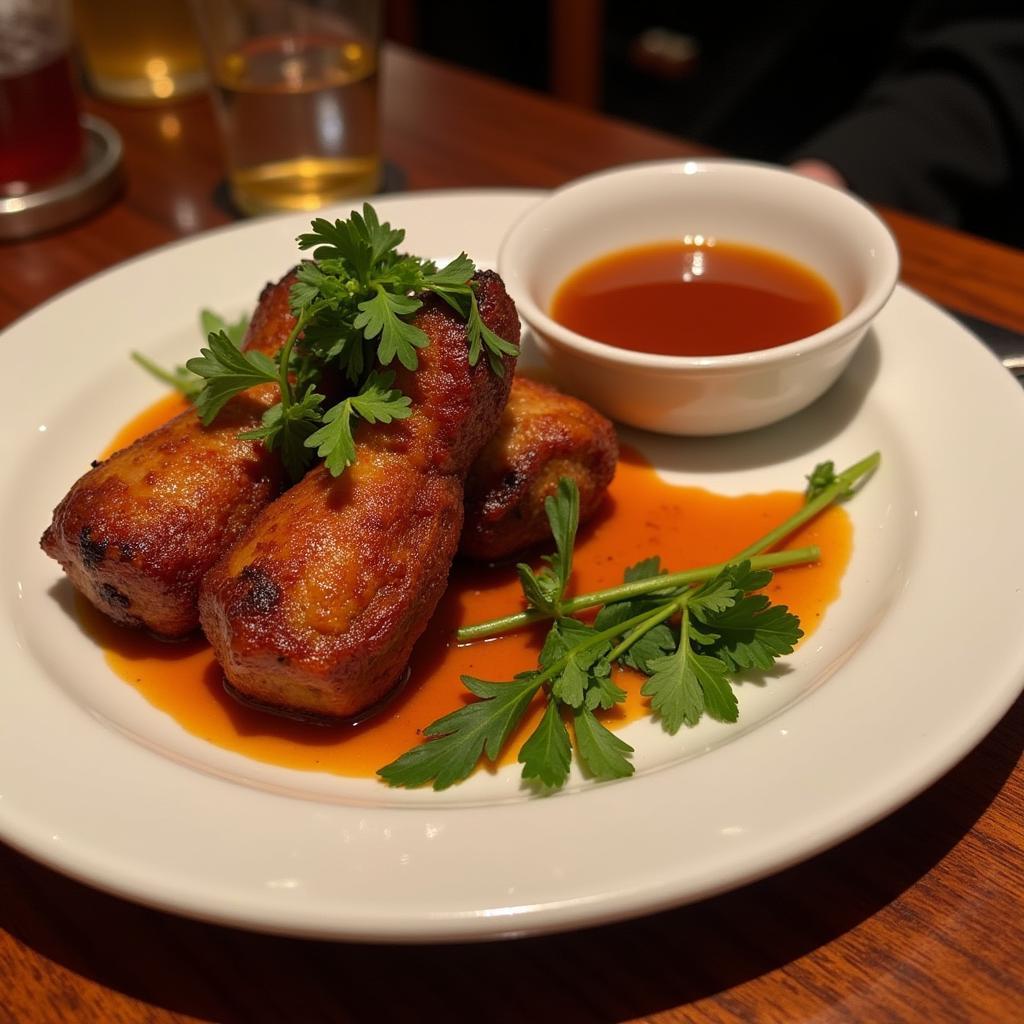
<point x="919" y="918"/>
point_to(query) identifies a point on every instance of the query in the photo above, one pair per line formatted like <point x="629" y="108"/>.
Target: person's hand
<point x="819" y="171"/>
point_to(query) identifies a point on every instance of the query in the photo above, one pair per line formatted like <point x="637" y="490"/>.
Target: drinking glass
<point x="40" y="136"/>
<point x="295" y="85"/>
<point x="140" y="51"/>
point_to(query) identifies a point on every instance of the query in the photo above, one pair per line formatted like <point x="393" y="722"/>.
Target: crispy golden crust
<point x="315" y="610"/>
<point x="272" y="320"/>
<point x="139" y="531"/>
<point x="543" y="435"/>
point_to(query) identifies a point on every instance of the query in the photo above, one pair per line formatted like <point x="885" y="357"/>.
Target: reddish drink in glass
<point x="40" y="135"/>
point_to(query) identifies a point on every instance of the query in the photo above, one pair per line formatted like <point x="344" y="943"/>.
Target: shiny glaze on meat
<point x="543" y="435"/>
<point x="314" y="612"/>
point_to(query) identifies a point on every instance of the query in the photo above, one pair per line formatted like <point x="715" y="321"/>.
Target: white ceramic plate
<point x="919" y="657"/>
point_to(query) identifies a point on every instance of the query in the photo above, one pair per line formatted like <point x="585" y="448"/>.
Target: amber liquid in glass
<point x="140" y="52"/>
<point x="300" y="121"/>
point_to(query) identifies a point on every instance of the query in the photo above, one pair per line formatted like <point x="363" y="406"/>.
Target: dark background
<point x="687" y="68"/>
<point x="762" y="80"/>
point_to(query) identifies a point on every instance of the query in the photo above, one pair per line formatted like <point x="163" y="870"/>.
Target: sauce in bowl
<point x="695" y="297"/>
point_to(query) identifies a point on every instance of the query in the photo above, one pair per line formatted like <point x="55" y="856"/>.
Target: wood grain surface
<point x="920" y="918"/>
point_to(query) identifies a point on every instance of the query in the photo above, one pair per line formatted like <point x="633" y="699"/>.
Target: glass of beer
<point x="140" y="52"/>
<point x="40" y="136"/>
<point x="295" y="85"/>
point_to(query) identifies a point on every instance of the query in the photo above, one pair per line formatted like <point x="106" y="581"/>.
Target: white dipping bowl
<point x="827" y="230"/>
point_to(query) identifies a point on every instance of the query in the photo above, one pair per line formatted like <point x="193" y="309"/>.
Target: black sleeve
<point x="942" y="134"/>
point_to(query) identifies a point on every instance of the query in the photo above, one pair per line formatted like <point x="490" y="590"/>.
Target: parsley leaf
<point x="685" y="684"/>
<point x="482" y="338"/>
<point x="575" y="647"/>
<point x="753" y="633"/>
<point x="377" y="402"/>
<point x="646" y="569"/>
<point x="227" y="371"/>
<point x="602" y="752"/>
<point x="332" y="340"/>
<point x="571" y="684"/>
<point x="313" y="288"/>
<point x="360" y="242"/>
<point x="603" y="691"/>
<point x="456" y="741"/>
<point x="563" y="512"/>
<point x="715" y="596"/>
<point x="184" y="380"/>
<point x="540" y="590"/>
<point x="546" y="755"/>
<point x="821" y="478"/>
<point x="618" y="611"/>
<point x="452" y="278"/>
<point x="452" y="283"/>
<point x="544" y="589"/>
<point x="653" y="644"/>
<point x="381" y="316"/>
<point x="213" y="323"/>
<point x="286" y="430"/>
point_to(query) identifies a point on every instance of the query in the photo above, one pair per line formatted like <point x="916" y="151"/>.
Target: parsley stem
<point x="843" y="482"/>
<point x="558" y="667"/>
<point x="656" y="618"/>
<point x="186" y="384"/>
<point x="670" y="581"/>
<point x="283" y="383"/>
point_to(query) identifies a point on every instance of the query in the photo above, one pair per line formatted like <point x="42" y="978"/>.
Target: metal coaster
<point x="67" y="200"/>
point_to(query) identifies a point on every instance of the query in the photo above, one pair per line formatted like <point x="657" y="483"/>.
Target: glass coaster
<point x="61" y="202"/>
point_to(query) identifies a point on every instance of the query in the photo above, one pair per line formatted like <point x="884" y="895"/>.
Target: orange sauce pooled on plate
<point x="697" y="297"/>
<point x="146" y="422"/>
<point x="642" y="515"/>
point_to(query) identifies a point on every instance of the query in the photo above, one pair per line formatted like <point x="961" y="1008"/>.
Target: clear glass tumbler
<point x="295" y="84"/>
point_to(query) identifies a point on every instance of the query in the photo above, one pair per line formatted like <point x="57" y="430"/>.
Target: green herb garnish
<point x="183" y="380"/>
<point x="689" y="633"/>
<point x="351" y="304"/>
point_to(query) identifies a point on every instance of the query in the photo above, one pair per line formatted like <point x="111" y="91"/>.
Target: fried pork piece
<point x="315" y="610"/>
<point x="543" y="435"/>
<point x="139" y="531"/>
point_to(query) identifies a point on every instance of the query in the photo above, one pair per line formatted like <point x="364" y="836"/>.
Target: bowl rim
<point x="850" y="324"/>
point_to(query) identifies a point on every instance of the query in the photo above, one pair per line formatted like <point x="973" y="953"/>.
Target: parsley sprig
<point x="183" y="380"/>
<point x="689" y="633"/>
<point x="351" y="302"/>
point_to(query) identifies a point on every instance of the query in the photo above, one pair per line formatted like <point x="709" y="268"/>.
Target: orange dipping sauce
<point x="697" y="297"/>
<point x="642" y="515"/>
